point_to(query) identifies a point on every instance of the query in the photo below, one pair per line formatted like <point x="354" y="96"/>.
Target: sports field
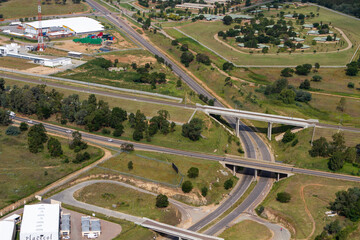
<point x="205" y="32"/>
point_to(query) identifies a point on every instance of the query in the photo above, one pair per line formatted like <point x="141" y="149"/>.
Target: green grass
<point x="205" y="31"/>
<point x="130" y="231"/>
<point x="15" y="63"/>
<point x="209" y="172"/>
<point x="128" y="201"/>
<point x="318" y="193"/>
<point x="28" y="8"/>
<point x="245" y="230"/>
<point x="23" y="173"/>
<point x="300" y="157"/>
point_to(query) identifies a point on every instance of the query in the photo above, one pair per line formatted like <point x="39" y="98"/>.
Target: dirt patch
<point x="190" y="198"/>
<point x="276" y="217"/>
<point x="139" y="60"/>
<point x="42" y="70"/>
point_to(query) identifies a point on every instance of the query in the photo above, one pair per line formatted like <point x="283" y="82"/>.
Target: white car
<point x="110" y="140"/>
<point x="68" y="131"/>
<point x="30" y="121"/>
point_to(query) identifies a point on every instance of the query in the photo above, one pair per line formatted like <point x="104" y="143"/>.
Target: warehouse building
<point x="64" y="26"/>
<point x="7" y="230"/>
<point x="65" y="225"/>
<point x="90" y="227"/>
<point x="40" y="221"/>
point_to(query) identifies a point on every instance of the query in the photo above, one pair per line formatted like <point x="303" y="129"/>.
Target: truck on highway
<point x="12" y="114"/>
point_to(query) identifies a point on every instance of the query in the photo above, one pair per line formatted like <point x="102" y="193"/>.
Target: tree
<point x="24" y="126"/>
<point x="341" y="106"/>
<point x="193" y="129"/>
<point x="316" y="78"/>
<point x="303" y="69"/>
<point x="175" y="42"/>
<point x="287" y="96"/>
<point x="36" y="138"/>
<point x="12" y="131"/>
<point x="228" y="66"/>
<point x="320" y="148"/>
<point x="186" y="58"/>
<point x="54" y="147"/>
<point x="352" y="69"/>
<point x="305" y="84"/>
<point x="333" y="227"/>
<point x="317" y="66"/>
<point x="138" y="135"/>
<point x="204" y="191"/>
<point x="338" y="143"/>
<point x="118" y="115"/>
<point x="288" y="136"/>
<point x="119" y="130"/>
<point x="184" y="47"/>
<point x="77" y="144"/>
<point x="203" y="58"/>
<point x="162" y="201"/>
<point x="127" y="147"/>
<point x="283" y="197"/>
<point x="227" y="20"/>
<point x="336" y="161"/>
<point x="350" y="155"/>
<point x="228" y="183"/>
<point x="265" y="50"/>
<point x="4" y="117"/>
<point x="347" y="203"/>
<point x="193" y="172"/>
<point x="187" y="187"/>
<point x="287" y="72"/>
<point x="351" y="85"/>
<point x="130" y="165"/>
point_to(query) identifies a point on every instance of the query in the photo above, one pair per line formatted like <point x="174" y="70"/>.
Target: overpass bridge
<point x="269" y="118"/>
<point x="175" y="231"/>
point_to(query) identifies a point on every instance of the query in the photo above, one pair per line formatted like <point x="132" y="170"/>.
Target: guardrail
<point x="95" y="85"/>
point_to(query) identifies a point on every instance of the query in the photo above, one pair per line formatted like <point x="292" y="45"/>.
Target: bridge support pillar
<point x="255" y="174"/>
<point x="313" y="135"/>
<point x="269" y="130"/>
<point x="277" y="177"/>
<point x="237" y="128"/>
<point x="234" y="170"/>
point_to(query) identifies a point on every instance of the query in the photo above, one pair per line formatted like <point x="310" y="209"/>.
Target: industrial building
<point x="7" y="230"/>
<point x="65" y="226"/>
<point x="40" y="221"/>
<point x="90" y="227"/>
<point x="64" y="26"/>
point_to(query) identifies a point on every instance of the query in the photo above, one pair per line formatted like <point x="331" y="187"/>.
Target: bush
<point x="130" y="165"/>
<point x="351" y="85"/>
<point x="204" y="191"/>
<point x="193" y="172"/>
<point x="283" y="197"/>
<point x="105" y="131"/>
<point x="287" y="72"/>
<point x="316" y="78"/>
<point x="174" y="42"/>
<point x="12" y="131"/>
<point x="193" y="129"/>
<point x="127" y="147"/>
<point x="295" y="142"/>
<point x="336" y="161"/>
<point x="259" y="210"/>
<point x="162" y="201"/>
<point x="187" y="187"/>
<point x="288" y="136"/>
<point x="24" y="126"/>
<point x="228" y="183"/>
<point x="320" y="148"/>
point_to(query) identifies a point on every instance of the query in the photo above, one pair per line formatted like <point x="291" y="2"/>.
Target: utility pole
<point x="41" y="46"/>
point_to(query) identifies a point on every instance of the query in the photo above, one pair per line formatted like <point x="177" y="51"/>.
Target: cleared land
<point x="247" y="230"/>
<point x="15" y="63"/>
<point x="205" y="31"/>
<point x="122" y="199"/>
<point x="28" y="8"/>
<point x="153" y="169"/>
<point x="304" y="215"/>
<point x="22" y="172"/>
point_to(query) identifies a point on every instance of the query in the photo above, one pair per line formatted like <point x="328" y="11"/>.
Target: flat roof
<point x="7" y="230"/>
<point x="12" y="217"/>
<point x="76" y="24"/>
<point x="40" y="218"/>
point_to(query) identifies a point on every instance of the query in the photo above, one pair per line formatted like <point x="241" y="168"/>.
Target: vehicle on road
<point x="110" y="140"/>
<point x="30" y="121"/>
<point x="68" y="131"/>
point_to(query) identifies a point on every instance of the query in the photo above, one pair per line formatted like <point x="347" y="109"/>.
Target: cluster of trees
<point x="352" y="69"/>
<point x="336" y="150"/>
<point x="187" y="56"/>
<point x="288" y="94"/>
<point x="193" y="129"/>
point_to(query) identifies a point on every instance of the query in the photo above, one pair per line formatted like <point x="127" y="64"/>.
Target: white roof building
<point x="40" y="221"/>
<point x="78" y="25"/>
<point x="7" y="230"/>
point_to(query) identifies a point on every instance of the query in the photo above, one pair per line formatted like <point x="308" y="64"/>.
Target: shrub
<point x="24" y="126"/>
<point x="288" y="136"/>
<point x="105" y="131"/>
<point x="351" y="85"/>
<point x="187" y="187"/>
<point x="12" y="131"/>
<point x="130" y="165"/>
<point x="204" y="191"/>
<point x="228" y="183"/>
<point x="259" y="210"/>
<point x="127" y="147"/>
<point x="162" y="201"/>
<point x="283" y="197"/>
<point x="316" y="78"/>
<point x="193" y="172"/>
<point x="295" y="142"/>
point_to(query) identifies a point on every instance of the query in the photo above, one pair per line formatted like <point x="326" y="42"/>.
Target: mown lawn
<point x="318" y="193"/>
<point x="128" y="201"/>
<point x="245" y="230"/>
<point x="23" y="173"/>
<point x="28" y="8"/>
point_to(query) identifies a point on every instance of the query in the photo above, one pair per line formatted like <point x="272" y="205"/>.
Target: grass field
<point x="247" y="230"/>
<point x="209" y="171"/>
<point x="299" y="155"/>
<point x="28" y="8"/>
<point x="15" y="63"/>
<point x="23" y="173"/>
<point x="127" y="201"/>
<point x="307" y="192"/>
<point x="205" y="31"/>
